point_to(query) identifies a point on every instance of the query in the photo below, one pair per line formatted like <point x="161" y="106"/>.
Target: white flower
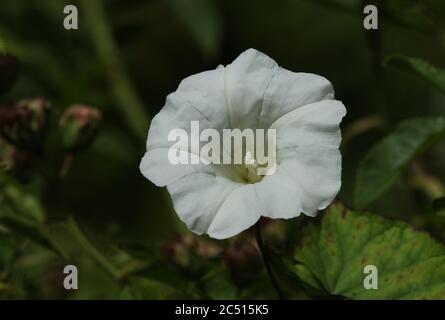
<point x="251" y="92"/>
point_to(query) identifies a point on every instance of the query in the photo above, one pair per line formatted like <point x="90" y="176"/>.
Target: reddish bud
<point x="79" y="125"/>
<point x="24" y="124"/>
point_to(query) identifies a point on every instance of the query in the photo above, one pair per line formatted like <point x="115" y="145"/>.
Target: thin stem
<point x="360" y="126"/>
<point x="259" y="240"/>
<point x="10" y="264"/>
<point x="374" y="42"/>
<point x="66" y="165"/>
<point x="429" y="184"/>
<point x="129" y="102"/>
<point x="94" y="253"/>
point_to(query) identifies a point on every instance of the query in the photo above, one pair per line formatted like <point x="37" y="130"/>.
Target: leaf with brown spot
<point x="411" y="265"/>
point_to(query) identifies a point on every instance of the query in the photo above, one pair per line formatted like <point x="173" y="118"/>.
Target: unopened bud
<point x="12" y="158"/>
<point x="79" y="125"/>
<point x="24" y="123"/>
<point x="9" y="67"/>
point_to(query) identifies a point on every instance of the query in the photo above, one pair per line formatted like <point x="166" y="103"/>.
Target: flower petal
<point x="316" y="171"/>
<point x="290" y="90"/>
<point x="280" y="195"/>
<point x="156" y="167"/>
<point x="203" y="202"/>
<point x="200" y="97"/>
<point x="239" y="211"/>
<point x="206" y="93"/>
<point x="246" y="81"/>
<point x="313" y="124"/>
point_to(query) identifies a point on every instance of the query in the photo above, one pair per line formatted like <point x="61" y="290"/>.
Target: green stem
<point x="129" y="102"/>
<point x="89" y="248"/>
<point x="10" y="264"/>
<point x="66" y="165"/>
<point x="259" y="240"/>
<point x="374" y="42"/>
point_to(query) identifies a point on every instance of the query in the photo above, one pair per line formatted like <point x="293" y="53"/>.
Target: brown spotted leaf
<point x="410" y="264"/>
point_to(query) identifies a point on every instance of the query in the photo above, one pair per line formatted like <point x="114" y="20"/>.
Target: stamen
<point x="251" y="165"/>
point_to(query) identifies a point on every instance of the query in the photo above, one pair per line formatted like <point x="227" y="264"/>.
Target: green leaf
<point x="30" y="230"/>
<point x="161" y="272"/>
<point x="411" y="265"/>
<point x="419" y="68"/>
<point x="385" y="161"/>
<point x="74" y="230"/>
<point x="20" y="202"/>
<point x="218" y="285"/>
<point x="309" y="282"/>
<point x="290" y="284"/>
<point x="23" y="215"/>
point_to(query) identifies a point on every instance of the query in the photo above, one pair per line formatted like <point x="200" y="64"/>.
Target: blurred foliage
<point x="92" y="208"/>
<point x="424" y="70"/>
<point x="386" y="159"/>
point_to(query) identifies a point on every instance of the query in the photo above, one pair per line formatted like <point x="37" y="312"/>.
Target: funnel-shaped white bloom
<point x="252" y="92"/>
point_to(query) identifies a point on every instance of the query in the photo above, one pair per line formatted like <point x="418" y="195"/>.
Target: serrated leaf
<point x="419" y="68"/>
<point x="291" y="285"/>
<point x="309" y="281"/>
<point x="386" y="160"/>
<point x="411" y="265"/>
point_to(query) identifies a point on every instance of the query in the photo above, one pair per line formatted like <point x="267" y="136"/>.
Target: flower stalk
<point x="264" y="255"/>
<point x="66" y="165"/>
